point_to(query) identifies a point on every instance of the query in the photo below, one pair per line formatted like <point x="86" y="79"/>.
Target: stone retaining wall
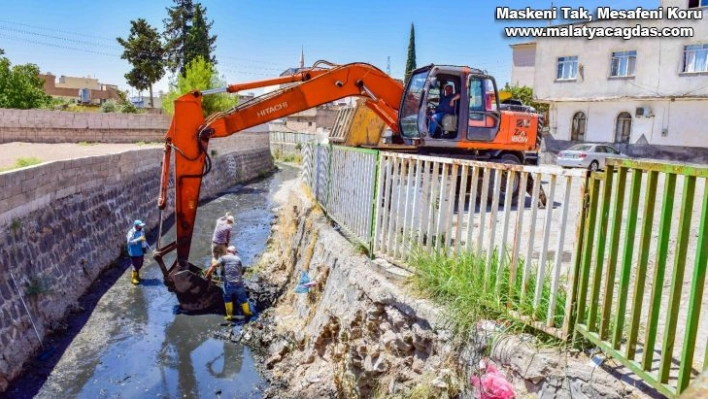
<point x="43" y="126"/>
<point x="63" y="223"/>
<point x="361" y="332"/>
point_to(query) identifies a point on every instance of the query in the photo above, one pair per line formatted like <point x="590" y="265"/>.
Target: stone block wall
<point x="44" y="126"/>
<point x="63" y="223"/>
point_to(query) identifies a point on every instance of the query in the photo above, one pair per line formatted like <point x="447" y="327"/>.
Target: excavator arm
<point x="190" y="132"/>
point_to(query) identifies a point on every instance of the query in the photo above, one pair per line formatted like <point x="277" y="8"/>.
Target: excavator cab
<point x="428" y="117"/>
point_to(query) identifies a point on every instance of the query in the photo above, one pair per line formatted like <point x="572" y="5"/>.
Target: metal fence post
<point x="374" y="207"/>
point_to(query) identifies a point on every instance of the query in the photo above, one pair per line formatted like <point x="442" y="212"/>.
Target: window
<point x="577" y="131"/>
<point x="580" y="147"/>
<point x="409" y="112"/>
<point x="567" y="68"/>
<point x="611" y="150"/>
<point x="697" y="3"/>
<point x="623" y="63"/>
<point x="483" y="118"/>
<point x="623" y="128"/>
<point x="695" y="58"/>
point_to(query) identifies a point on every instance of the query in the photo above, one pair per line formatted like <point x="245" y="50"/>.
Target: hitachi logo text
<point x="269" y="110"/>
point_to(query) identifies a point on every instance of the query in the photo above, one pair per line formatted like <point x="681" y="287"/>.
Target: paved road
<point x="45" y="152"/>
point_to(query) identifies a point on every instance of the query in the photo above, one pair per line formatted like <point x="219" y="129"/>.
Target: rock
<point x="376" y="364"/>
<point x="394" y="343"/>
<point x="418" y="365"/>
<point x="280" y="347"/>
<point x="396" y="318"/>
<point x="273" y="360"/>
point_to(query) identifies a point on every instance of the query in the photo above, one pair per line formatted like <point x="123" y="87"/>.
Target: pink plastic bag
<point x="493" y="384"/>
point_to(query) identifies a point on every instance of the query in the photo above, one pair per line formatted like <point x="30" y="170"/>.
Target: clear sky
<point x="259" y="39"/>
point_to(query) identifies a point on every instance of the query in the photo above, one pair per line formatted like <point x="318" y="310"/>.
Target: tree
<point x="21" y="87"/>
<point x="187" y="35"/>
<point x="143" y="49"/>
<point x="525" y="95"/>
<point x="410" y="63"/>
<point x="199" y="43"/>
<point x="199" y="75"/>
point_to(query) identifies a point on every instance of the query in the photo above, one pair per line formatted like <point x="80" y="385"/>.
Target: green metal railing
<point x="610" y="268"/>
<point x="639" y="264"/>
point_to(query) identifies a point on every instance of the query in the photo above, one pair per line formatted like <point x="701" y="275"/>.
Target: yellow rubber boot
<point x="135" y="277"/>
<point x="229" y="311"/>
<point x="246" y="308"/>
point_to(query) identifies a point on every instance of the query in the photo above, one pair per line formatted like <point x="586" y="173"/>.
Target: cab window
<point x="411" y="104"/>
<point x="483" y="107"/>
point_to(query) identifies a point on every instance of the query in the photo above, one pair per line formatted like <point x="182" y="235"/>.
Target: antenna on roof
<point x="388" y="65"/>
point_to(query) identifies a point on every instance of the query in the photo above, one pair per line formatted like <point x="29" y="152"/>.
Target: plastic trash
<point x="304" y="284"/>
<point x="493" y="384"/>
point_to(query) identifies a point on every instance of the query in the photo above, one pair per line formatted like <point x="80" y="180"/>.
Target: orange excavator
<point x="479" y="127"/>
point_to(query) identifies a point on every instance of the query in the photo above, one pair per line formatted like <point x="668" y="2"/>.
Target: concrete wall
<point x="523" y="67"/>
<point x="64" y="223"/>
<point x="74" y="127"/>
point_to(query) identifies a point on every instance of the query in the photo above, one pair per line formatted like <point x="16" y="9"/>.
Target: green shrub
<point x="128" y="108"/>
<point x="109" y="106"/>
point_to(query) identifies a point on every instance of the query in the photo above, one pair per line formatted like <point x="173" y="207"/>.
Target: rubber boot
<point x="246" y="308"/>
<point x="229" y="311"/>
<point x="135" y="278"/>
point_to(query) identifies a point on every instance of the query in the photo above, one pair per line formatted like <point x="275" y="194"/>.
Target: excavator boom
<point x="190" y="132"/>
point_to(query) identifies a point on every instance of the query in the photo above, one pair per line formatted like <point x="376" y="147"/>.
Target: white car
<point x="590" y="156"/>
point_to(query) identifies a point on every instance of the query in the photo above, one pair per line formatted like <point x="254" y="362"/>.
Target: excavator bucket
<point x="194" y="293"/>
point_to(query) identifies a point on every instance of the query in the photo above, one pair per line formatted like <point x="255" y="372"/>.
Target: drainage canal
<point x="129" y="341"/>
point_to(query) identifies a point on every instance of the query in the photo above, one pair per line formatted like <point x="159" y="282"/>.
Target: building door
<point x="623" y="127"/>
<point x="577" y="131"/>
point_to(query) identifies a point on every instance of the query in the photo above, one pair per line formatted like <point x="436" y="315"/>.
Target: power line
<point x="58" y="30"/>
<point x="54" y="45"/>
<point x="55" y="37"/>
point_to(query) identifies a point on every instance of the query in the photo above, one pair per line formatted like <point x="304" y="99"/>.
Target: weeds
<point x="15" y="225"/>
<point x="291" y="158"/>
<point x="38" y="286"/>
<point x="22" y="163"/>
<point x="472" y="290"/>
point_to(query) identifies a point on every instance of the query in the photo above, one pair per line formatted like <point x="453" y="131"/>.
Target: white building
<point x="639" y="91"/>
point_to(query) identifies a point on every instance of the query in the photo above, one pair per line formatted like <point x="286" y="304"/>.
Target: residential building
<point x="82" y="90"/>
<point x="647" y="95"/>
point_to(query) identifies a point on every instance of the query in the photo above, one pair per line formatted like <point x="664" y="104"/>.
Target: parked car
<point x="591" y="156"/>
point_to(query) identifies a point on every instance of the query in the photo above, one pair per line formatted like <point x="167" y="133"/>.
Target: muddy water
<point x="134" y="343"/>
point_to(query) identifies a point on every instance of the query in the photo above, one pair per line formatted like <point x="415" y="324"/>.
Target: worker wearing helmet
<point x="137" y="246"/>
<point x="233" y="282"/>
<point x="445" y="106"/>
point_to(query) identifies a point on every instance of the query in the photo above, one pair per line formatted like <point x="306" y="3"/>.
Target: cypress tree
<point x="410" y="63"/>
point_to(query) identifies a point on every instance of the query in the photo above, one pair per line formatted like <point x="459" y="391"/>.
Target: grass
<point x="86" y="143"/>
<point x="22" y="163"/>
<point x="460" y="283"/>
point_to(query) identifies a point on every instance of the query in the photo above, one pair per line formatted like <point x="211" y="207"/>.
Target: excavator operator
<point x="446" y="106"/>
